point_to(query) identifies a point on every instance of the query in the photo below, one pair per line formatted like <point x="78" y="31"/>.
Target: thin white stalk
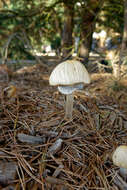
<point x="69" y="106"/>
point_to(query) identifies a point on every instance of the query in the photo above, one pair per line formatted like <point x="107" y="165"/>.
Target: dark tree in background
<point x="56" y="23"/>
<point x="89" y="12"/>
<point x="123" y="51"/>
<point x="68" y="25"/>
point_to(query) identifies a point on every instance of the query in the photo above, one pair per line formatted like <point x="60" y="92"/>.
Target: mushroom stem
<point x="69" y="106"/>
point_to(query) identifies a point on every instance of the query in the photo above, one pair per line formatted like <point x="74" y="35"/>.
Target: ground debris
<point x="55" y="147"/>
<point x="7" y="172"/>
<point x="55" y="154"/>
<point x="30" y="139"/>
<point x="120" y="182"/>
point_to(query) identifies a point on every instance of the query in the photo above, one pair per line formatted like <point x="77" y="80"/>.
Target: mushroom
<point x="69" y="76"/>
<point x="119" y="158"/>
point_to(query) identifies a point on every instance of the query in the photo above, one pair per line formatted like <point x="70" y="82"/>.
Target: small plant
<point x="116" y="85"/>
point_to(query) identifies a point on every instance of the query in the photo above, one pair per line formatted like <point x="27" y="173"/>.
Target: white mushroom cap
<point x="69" y="73"/>
<point x="120" y="156"/>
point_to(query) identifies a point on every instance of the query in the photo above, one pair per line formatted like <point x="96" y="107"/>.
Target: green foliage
<point x="112" y="15"/>
<point x="55" y="43"/>
<point x="43" y="22"/>
<point x="117" y="86"/>
<point x="33" y="17"/>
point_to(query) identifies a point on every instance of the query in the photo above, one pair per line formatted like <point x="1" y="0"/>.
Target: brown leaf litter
<point x="49" y="152"/>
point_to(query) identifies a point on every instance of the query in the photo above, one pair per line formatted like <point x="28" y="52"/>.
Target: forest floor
<point x="40" y="150"/>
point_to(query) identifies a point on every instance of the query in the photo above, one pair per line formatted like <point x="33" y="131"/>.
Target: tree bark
<point x="124" y="40"/>
<point x="85" y="43"/>
<point x="123" y="50"/>
<point x="67" y="39"/>
<point x="88" y="14"/>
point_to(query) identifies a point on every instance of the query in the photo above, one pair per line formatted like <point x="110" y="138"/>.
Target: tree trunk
<point x="123" y="51"/>
<point x="88" y="14"/>
<point x="67" y="39"/>
<point x="124" y="40"/>
<point x="85" y="43"/>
